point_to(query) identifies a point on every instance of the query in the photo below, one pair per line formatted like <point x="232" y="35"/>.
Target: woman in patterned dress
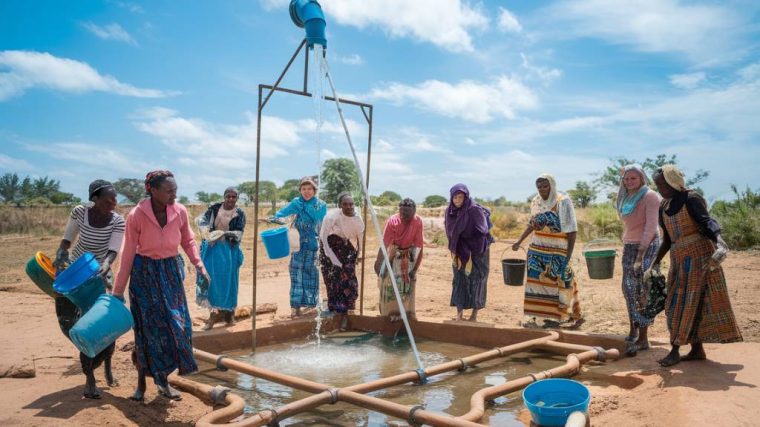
<point x="309" y="212"/>
<point x="698" y="308"/>
<point x="551" y="291"/>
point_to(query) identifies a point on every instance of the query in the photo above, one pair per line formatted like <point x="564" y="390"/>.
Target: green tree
<point x="434" y="201"/>
<point x="132" y="189"/>
<point x="208" y="198"/>
<point x="739" y="219"/>
<point x="610" y="177"/>
<point x="583" y="194"/>
<point x="338" y="176"/>
<point x="184" y="200"/>
<point x="10" y="187"/>
<point x="268" y="192"/>
<point x="247" y="190"/>
<point x="289" y="190"/>
<point x="391" y="196"/>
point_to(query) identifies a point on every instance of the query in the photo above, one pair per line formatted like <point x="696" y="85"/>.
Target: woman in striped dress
<point x="99" y="230"/>
<point x="309" y="212"/>
<point x="698" y="308"/>
<point x="551" y="291"/>
<point x="155" y="271"/>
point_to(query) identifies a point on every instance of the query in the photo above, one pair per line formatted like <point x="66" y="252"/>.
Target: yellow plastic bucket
<point x="40" y="269"/>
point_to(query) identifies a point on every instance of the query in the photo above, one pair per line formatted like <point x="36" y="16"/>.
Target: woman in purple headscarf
<point x="467" y="228"/>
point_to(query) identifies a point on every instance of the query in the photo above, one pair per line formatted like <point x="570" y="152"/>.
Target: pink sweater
<point x="641" y="226"/>
<point x="145" y="237"/>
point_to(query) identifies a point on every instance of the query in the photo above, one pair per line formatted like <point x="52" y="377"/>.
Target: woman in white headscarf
<point x="551" y="291"/>
<point x="637" y="205"/>
<point x="340" y="236"/>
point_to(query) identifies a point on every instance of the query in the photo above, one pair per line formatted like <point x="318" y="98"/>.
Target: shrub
<point x="740" y="219"/>
<point x="604" y="222"/>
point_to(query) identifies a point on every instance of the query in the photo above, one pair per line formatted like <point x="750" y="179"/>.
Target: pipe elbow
<point x="307" y="14"/>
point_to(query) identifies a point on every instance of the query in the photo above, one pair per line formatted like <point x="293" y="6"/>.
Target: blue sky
<point x="489" y="93"/>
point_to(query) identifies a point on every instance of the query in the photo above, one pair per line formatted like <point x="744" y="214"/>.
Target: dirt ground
<point x="631" y="392"/>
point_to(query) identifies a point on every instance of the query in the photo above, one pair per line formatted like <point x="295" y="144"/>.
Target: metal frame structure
<point x="366" y="110"/>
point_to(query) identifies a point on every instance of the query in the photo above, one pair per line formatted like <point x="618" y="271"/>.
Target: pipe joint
<point x="463" y="366"/>
<point x="273" y="422"/>
<point x="333" y="395"/>
<point x="500" y="351"/>
<point x="601" y="355"/>
<point x="218" y="395"/>
<point x="220" y="364"/>
<point x="422" y="376"/>
<point x="410" y="418"/>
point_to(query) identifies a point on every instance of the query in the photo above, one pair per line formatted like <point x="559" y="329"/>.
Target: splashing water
<point x="317" y="78"/>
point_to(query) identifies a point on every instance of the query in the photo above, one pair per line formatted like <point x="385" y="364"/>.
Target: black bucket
<point x="514" y="271"/>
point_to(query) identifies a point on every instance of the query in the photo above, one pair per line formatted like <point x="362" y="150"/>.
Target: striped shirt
<point x="98" y="241"/>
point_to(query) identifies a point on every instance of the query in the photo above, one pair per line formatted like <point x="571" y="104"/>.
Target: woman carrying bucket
<point x="402" y="238"/>
<point x="155" y="271"/>
<point x="468" y="228"/>
<point x="551" y="291"/>
<point x="222" y="257"/>
<point x="697" y="306"/>
<point x="637" y="206"/>
<point x="100" y="231"/>
<point x="341" y="242"/>
<point x="309" y="212"/>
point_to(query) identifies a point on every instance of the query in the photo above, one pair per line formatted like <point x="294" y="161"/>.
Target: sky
<point x="488" y="93"/>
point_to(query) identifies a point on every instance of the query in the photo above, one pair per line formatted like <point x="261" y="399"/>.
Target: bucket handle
<point x="509" y="246"/>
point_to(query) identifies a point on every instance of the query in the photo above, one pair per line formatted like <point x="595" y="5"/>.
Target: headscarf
<point x="97" y="185"/>
<point x="674" y="177"/>
<point x="154" y="178"/>
<point x="626" y="203"/>
<point x="466" y="227"/>
<point x="308" y="180"/>
<point x="230" y="189"/>
<point x="539" y="205"/>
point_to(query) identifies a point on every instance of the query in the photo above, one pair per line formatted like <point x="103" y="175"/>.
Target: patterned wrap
<point x="635" y="289"/>
<point x="163" y="329"/>
<point x="469" y="289"/>
<point x="341" y="283"/>
<point x="698" y="307"/>
<point x="551" y="290"/>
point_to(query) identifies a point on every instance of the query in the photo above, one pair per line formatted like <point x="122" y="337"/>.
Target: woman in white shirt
<point x="340" y="238"/>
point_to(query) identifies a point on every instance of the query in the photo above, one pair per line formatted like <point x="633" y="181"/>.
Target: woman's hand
<point x="637" y="265"/>
<point x="720" y="254"/>
<point x="201" y="271"/>
<point x="647" y="276"/>
<point x="61" y="258"/>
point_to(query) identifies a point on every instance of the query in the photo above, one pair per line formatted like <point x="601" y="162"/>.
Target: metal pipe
<point x="256" y="222"/>
<point x="364" y="210"/>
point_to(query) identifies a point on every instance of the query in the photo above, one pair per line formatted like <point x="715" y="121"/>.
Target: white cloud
<point x="750" y="72"/>
<point x="112" y="31"/>
<point x="132" y="7"/>
<point x="508" y="22"/>
<point x="274" y="4"/>
<point x="8" y="163"/>
<point x="24" y="70"/>
<point x="469" y="141"/>
<point x="98" y="158"/>
<point x="707" y="34"/>
<point x="468" y="100"/>
<point x="353" y="59"/>
<point x="687" y="81"/>
<point x="544" y="74"/>
<point x="445" y="23"/>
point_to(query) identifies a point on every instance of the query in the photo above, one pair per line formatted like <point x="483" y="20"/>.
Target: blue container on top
<point x="307" y="14"/>
<point x="107" y="320"/>
<point x="551" y="401"/>
<point x="80" y="282"/>
<point x="276" y="242"/>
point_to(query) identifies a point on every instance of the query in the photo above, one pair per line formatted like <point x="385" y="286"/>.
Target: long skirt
<point x="469" y="290"/>
<point x="222" y="260"/>
<point x="635" y="290"/>
<point x="342" y="286"/>
<point x="163" y="330"/>
<point x="304" y="279"/>
<point x="405" y="259"/>
<point x="549" y="292"/>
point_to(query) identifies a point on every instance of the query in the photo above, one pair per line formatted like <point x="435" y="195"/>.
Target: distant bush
<point x="434" y="201"/>
<point x="505" y="223"/>
<point x="600" y="221"/>
<point x="740" y="219"/>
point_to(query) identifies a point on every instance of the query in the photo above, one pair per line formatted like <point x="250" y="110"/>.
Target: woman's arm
<point x="570" y="244"/>
<point x="128" y="250"/>
<point x="523" y="236"/>
<point x="289" y="209"/>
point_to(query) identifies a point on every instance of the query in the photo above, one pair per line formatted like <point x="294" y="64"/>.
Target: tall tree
<point x="583" y="194"/>
<point x="289" y="190"/>
<point x="10" y="187"/>
<point x="132" y="189"/>
<point x="434" y="201"/>
<point x="610" y="177"/>
<point x="208" y="198"/>
<point x="338" y="176"/>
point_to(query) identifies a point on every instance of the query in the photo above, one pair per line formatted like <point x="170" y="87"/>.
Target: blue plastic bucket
<point x="107" y="320"/>
<point x="276" y="242"/>
<point x="551" y="401"/>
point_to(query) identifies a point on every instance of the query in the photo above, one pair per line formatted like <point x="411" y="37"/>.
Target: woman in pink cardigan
<point x="155" y="270"/>
<point x="638" y="207"/>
